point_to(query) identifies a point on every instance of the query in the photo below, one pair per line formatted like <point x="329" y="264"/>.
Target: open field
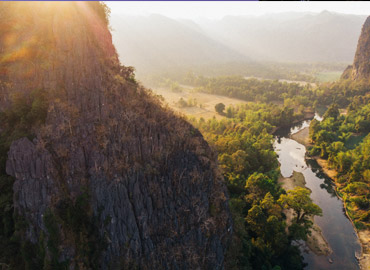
<point x="205" y="102"/>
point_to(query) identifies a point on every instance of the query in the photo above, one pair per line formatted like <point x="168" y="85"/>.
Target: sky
<point x="219" y="9"/>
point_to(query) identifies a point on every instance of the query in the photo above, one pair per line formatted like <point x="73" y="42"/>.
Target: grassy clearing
<point x="205" y="102"/>
<point x="328" y="76"/>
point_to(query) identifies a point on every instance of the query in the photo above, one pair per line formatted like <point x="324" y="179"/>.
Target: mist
<point x="154" y="43"/>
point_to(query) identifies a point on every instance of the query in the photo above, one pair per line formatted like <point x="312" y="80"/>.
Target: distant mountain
<point x="157" y="42"/>
<point x="282" y="37"/>
<point x="290" y="37"/>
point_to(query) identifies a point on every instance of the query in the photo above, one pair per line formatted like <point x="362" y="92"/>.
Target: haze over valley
<point x="155" y="43"/>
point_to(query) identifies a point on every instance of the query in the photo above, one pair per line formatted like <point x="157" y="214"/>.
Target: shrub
<point x="220" y="107"/>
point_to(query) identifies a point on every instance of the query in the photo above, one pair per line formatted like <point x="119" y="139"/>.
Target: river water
<point x="336" y="227"/>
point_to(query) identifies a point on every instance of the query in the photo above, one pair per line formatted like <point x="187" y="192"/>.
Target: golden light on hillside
<point x="19" y="44"/>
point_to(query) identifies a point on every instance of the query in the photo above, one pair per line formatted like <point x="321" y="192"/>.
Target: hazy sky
<point x="219" y="9"/>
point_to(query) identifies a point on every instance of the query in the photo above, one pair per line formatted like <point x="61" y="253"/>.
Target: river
<point x="336" y="227"/>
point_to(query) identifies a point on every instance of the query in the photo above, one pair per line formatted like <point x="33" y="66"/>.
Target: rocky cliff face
<point x="361" y="65"/>
<point x="112" y="179"/>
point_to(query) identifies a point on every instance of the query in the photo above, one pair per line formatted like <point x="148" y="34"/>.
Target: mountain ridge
<point x="302" y="37"/>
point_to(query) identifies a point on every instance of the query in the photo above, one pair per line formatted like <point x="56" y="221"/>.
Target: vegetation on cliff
<point x="102" y="176"/>
<point x="21" y="119"/>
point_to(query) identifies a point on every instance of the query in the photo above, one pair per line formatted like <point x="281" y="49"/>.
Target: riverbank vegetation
<point x="243" y="141"/>
<point x="344" y="141"/>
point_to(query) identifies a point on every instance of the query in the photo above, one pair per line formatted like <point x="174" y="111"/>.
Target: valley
<point x="142" y="137"/>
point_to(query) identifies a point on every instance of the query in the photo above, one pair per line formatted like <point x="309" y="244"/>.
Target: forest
<point x="245" y="154"/>
<point x="243" y="140"/>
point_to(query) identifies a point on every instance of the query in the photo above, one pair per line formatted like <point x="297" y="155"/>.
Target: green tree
<point x="299" y="200"/>
<point x="332" y="111"/>
<point x="220" y="107"/>
<point x="182" y="103"/>
<point x="257" y="185"/>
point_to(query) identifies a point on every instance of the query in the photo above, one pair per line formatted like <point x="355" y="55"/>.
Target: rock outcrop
<point x="360" y="70"/>
<point x="112" y="180"/>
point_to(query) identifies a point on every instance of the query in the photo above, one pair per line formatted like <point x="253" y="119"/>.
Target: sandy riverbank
<point x="363" y="235"/>
<point x="302" y="136"/>
<point x="316" y="241"/>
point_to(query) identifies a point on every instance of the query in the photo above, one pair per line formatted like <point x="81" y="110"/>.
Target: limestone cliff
<point x="360" y="70"/>
<point x="111" y="180"/>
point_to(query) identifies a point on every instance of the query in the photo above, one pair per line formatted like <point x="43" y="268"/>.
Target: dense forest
<point x="253" y="89"/>
<point x="245" y="154"/>
<point x="343" y="92"/>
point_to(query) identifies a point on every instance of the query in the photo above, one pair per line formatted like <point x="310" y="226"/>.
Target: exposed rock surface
<point x="361" y="65"/>
<point x="156" y="198"/>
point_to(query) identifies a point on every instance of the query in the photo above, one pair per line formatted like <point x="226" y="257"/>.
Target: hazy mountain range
<point x="157" y="42"/>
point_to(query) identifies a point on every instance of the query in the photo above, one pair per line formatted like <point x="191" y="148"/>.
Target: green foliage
<point x="250" y="168"/>
<point x="345" y="142"/>
<point x="299" y="200"/>
<point x="191" y="102"/>
<point x="332" y="111"/>
<point x="343" y="93"/>
<point x="361" y="202"/>
<point x="257" y="185"/>
<point x="257" y="90"/>
<point x="220" y="107"/>
<point x="360" y="225"/>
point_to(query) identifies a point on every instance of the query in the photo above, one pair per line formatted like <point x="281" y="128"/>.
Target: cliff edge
<point x="360" y="70"/>
<point x="110" y="179"/>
